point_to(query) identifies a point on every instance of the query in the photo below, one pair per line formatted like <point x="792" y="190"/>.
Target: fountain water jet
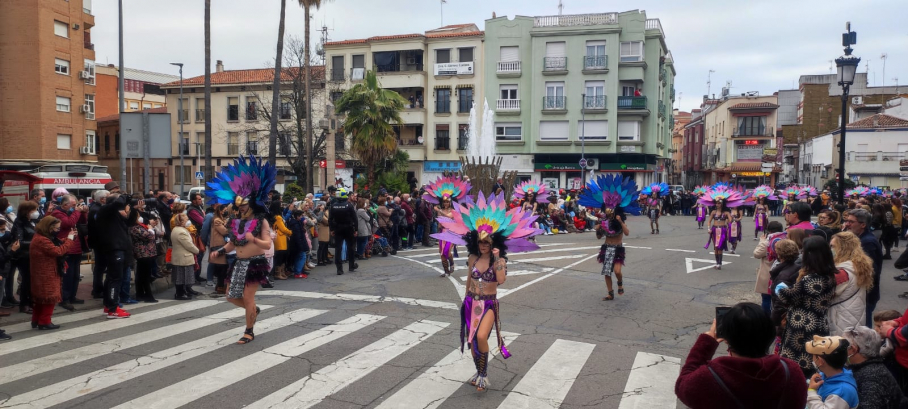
<point x="481" y="164"/>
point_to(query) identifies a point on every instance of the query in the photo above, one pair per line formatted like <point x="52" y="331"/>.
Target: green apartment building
<point x="597" y="86"/>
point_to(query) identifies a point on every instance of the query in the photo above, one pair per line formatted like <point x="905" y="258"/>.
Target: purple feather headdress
<point x="521" y="190"/>
<point x="490" y="217"/>
<point x="730" y="197"/>
<point x="247" y="178"/>
<point x="450" y="187"/>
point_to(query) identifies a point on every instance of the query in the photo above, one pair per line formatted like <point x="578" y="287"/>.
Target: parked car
<point x="677" y="188"/>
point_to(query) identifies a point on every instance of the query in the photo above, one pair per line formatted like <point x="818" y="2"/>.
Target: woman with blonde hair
<point x="853" y="279"/>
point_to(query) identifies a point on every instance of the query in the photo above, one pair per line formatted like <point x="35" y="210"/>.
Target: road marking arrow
<point x="690" y="264"/>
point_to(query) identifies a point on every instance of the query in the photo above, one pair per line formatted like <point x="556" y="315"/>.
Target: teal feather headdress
<point x="249" y="179"/>
<point x="611" y="191"/>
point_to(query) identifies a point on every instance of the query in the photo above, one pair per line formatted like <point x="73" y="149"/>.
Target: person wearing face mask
<point x="23" y="232"/>
<point x="38" y="196"/>
<point x="115" y="247"/>
<point x="747" y="377"/>
<point x="100" y="265"/>
<point x="877" y="388"/>
<point x="47" y="264"/>
<point x="834" y="386"/>
<point x="143" y="246"/>
<point x="6" y="247"/>
<point x="182" y="256"/>
<point x="7" y="212"/>
<point x="70" y="215"/>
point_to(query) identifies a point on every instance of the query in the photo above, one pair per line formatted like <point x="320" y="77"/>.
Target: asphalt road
<point x="387" y="336"/>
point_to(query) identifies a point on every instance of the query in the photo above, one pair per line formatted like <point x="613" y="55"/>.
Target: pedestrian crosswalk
<point x="195" y="358"/>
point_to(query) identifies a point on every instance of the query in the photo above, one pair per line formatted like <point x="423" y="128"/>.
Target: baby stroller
<point x="380" y="246"/>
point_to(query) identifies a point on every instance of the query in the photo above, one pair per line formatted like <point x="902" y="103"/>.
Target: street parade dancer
<point x="761" y="209"/>
<point x="654" y="193"/>
<point x="858" y="192"/>
<point x="488" y="229"/>
<point x="245" y="185"/>
<point x="528" y="192"/>
<point x="723" y="199"/>
<point x="701" y="209"/>
<point x="614" y="196"/>
<point x="735" y="232"/>
<point x="444" y="192"/>
<point x="793" y="194"/>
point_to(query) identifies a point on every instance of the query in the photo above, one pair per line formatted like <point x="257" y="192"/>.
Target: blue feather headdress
<point x="659" y="188"/>
<point x="247" y="179"/>
<point x="611" y="192"/>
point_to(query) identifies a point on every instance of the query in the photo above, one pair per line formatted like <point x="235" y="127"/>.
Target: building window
<point x="592" y="130"/>
<point x="61" y="29"/>
<point x="233" y="109"/>
<point x="89" y="107"/>
<point x="106" y="142"/>
<point x="465" y="54"/>
<point x="252" y="143"/>
<point x="200" y="144"/>
<point x="90" y="72"/>
<point x="64" y="141"/>
<point x="554" y="95"/>
<point x="595" y="54"/>
<point x="358" y="72"/>
<point x="442" y="56"/>
<point x="553" y="130"/>
<point x="90" y="140"/>
<point x="133" y="105"/>
<point x="283" y="142"/>
<point x="464" y="99"/>
<point x="200" y="109"/>
<point x="462" y="138"/>
<point x="628" y="130"/>
<point x="555" y="56"/>
<point x="337" y="68"/>
<point x="631" y="51"/>
<point x="184" y="174"/>
<point x="64" y="104"/>
<point x="508" y="131"/>
<point x="509" y="92"/>
<point x="146" y="105"/>
<point x="442" y="101"/>
<point x="158" y="105"/>
<point x="184" y="144"/>
<point x="251" y="109"/>
<point x="286" y="108"/>
<point x="233" y="143"/>
<point x="595" y="95"/>
<point x="442" y="137"/>
<point x="336" y="95"/>
<point x="751" y="126"/>
<point x="61" y="66"/>
<point x="509" y="53"/>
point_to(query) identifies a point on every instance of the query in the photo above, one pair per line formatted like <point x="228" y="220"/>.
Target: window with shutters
<point x="61" y="29"/>
<point x="442" y="56"/>
<point x="592" y="130"/>
<point x="337" y="68"/>
<point x="233" y="143"/>
<point x="64" y="104"/>
<point x="510" y="53"/>
<point x="595" y="95"/>
<point x="595" y="55"/>
<point x="61" y="66"/>
<point x="508" y="131"/>
<point x="251" y="109"/>
<point x="553" y="130"/>
<point x="64" y="141"/>
<point x="233" y="109"/>
<point x="465" y="54"/>
<point x="442" y="137"/>
<point x="631" y="51"/>
<point x="555" y="59"/>
<point x="628" y="130"/>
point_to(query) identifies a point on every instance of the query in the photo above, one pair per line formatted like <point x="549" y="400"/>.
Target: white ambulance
<point x="78" y="178"/>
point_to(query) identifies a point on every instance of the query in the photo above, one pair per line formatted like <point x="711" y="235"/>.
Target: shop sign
<point x="749" y="153"/>
<point x="555" y="167"/>
<point x="622" y="166"/>
<point x="752" y="174"/>
<point x="441" y="166"/>
<point x="454" y="68"/>
<point x="338" y="164"/>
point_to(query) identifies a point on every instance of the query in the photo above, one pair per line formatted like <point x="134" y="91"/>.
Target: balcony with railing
<point x="86" y="41"/>
<point x="632" y="102"/>
<point x="233" y="149"/>
<point x="183" y="116"/>
<point x="554" y="103"/>
<point x="337" y="75"/>
<point x="442" y="141"/>
<point x="576" y="20"/>
<point x="508" y="68"/>
<point x="876" y="156"/>
<point x="662" y="75"/>
<point x="753" y="132"/>
<point x="672" y="94"/>
<point x="200" y="115"/>
<point x="661" y="109"/>
<point x="654" y="24"/>
<point x="507" y="106"/>
<point x="595" y="63"/>
<point x="462" y="142"/>
<point x="594" y="103"/>
<point x="387" y="62"/>
<point x="410" y="139"/>
<point x="554" y="65"/>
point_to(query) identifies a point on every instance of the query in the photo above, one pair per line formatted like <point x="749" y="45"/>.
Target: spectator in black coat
<point x="877" y="388"/>
<point x="298" y="246"/>
<point x="786" y="271"/>
<point x="115" y="246"/>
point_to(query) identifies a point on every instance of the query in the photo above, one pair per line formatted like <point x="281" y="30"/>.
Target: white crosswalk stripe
<point x="547" y="384"/>
<point x="65" y="318"/>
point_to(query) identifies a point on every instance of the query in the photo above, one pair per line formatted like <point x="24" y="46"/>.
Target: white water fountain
<point x="481" y="136"/>
<point x="481" y="164"/>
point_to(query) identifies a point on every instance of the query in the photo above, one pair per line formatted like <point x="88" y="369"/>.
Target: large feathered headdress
<point x="720" y="185"/>
<point x="611" y="192"/>
<point x="747" y="195"/>
<point x="731" y="197"/>
<point x="699" y="190"/>
<point x="450" y="187"/>
<point x="248" y="179"/>
<point x="809" y="191"/>
<point x="522" y="189"/>
<point x="875" y="191"/>
<point x="796" y="191"/>
<point x="659" y="188"/>
<point x="490" y="218"/>
<point x="764" y="192"/>
<point x="858" y="191"/>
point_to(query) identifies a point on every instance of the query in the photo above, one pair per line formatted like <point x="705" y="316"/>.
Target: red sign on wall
<point x="338" y="164"/>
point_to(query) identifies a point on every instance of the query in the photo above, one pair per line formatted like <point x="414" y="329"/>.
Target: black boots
<point x="181" y="293"/>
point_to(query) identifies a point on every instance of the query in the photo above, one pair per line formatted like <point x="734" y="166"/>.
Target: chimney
<point x="220" y="66"/>
<point x="876" y="121"/>
<point x="493" y="15"/>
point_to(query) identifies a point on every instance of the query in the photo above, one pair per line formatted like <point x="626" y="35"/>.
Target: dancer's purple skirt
<point x="718" y="236"/>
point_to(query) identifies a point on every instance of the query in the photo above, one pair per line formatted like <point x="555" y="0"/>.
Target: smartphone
<point x="720" y="313"/>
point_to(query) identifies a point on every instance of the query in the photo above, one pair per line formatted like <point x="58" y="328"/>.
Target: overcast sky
<point x="757" y="45"/>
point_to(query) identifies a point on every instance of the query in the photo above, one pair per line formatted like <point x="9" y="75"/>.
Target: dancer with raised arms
<point x="444" y="193"/>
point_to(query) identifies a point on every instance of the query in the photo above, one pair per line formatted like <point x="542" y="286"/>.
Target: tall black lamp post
<point x="846" y="66"/>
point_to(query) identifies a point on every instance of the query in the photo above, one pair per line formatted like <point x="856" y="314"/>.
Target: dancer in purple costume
<point x="761" y="219"/>
<point x="488" y="229"/>
<point x="720" y="218"/>
<point x="700" y="210"/>
<point x="444" y="192"/>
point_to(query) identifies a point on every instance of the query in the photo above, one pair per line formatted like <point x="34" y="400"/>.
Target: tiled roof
<point x="882" y="121"/>
<point x="752" y="105"/>
<point x="116" y="117"/>
<point x="345" y="42"/>
<point x="254" y="76"/>
<point x="463" y="34"/>
<point x="454" y="26"/>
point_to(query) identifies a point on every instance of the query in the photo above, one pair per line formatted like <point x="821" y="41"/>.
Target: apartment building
<point x="240" y="125"/>
<point x="438" y="72"/>
<point x="739" y="131"/>
<point x="142" y="89"/>
<point x="47" y="78"/>
<point x="592" y="86"/>
<point x="681" y="119"/>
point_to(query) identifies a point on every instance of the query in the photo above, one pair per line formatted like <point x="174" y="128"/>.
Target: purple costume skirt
<point x="485" y="303"/>
<point x="701" y="214"/>
<point x="760" y="221"/>
<point x="718" y="236"/>
<point x="246" y="272"/>
<point x="734" y="231"/>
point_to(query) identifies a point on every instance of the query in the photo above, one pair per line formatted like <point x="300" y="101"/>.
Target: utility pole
<point x="122" y="102"/>
<point x="709" y="82"/>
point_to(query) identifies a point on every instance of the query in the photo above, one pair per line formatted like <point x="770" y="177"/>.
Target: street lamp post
<point x="846" y="66"/>
<point x="180" y="116"/>
<point x="583" y="140"/>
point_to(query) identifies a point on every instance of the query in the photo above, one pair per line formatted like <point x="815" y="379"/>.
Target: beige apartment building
<point x="739" y="131"/>
<point x="240" y="103"/>
<point x="47" y="83"/>
<point x="439" y="72"/>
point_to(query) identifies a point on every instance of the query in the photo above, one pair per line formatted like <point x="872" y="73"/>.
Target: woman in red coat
<point x="46" y="256"/>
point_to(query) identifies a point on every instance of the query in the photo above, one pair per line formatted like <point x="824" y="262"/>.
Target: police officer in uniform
<point x="342" y="221"/>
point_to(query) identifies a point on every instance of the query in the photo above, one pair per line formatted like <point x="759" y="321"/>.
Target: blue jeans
<point x="361" y="245"/>
<point x="767" y="303"/>
<point x="299" y="263"/>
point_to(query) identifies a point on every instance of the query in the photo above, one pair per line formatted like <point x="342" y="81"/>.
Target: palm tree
<point x="370" y="111"/>
<point x="306" y="5"/>
<point x="209" y="170"/>
<point x="276" y="88"/>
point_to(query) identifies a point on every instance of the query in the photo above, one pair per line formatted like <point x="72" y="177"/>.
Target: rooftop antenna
<point x="442" y="6"/>
<point x="709" y="82"/>
<point x="896" y="80"/>
<point x="831" y="65"/>
<point x="883" y="57"/>
<point x="560" y="7"/>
